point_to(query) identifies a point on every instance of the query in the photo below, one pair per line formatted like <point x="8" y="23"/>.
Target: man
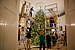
<point x="42" y="40"/>
<point x="28" y="40"/>
<point x="48" y="38"/>
<point x="31" y="9"/>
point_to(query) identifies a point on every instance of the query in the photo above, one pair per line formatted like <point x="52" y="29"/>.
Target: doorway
<point x="50" y="22"/>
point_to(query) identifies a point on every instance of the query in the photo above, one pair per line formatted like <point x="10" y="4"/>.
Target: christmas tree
<point x="37" y="25"/>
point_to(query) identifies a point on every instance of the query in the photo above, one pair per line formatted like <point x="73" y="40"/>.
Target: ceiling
<point x="60" y="4"/>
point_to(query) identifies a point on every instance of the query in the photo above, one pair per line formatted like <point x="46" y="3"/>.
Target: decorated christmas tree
<point x="37" y="25"/>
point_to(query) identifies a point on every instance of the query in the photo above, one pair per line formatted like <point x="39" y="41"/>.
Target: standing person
<point x="53" y="39"/>
<point x="48" y="38"/>
<point x="19" y="33"/>
<point x="28" y="40"/>
<point x="65" y="39"/>
<point x="31" y="9"/>
<point x="56" y="36"/>
<point x="62" y="39"/>
<point x="42" y="40"/>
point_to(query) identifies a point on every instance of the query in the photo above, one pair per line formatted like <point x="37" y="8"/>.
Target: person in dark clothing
<point x="28" y="40"/>
<point x="48" y="39"/>
<point x="28" y="35"/>
<point x="19" y="32"/>
<point x="65" y="39"/>
<point x="31" y="9"/>
<point x="28" y="32"/>
<point x="42" y="40"/>
<point x="56" y="36"/>
<point x="53" y="40"/>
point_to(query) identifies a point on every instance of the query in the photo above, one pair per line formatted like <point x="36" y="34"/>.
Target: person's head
<point x="62" y="34"/>
<point x="41" y="32"/>
<point x="32" y="7"/>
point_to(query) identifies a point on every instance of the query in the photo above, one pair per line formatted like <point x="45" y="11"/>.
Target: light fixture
<point x="72" y="24"/>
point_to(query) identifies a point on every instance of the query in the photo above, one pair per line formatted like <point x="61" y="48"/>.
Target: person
<point x="31" y="9"/>
<point x="19" y="33"/>
<point x="28" y="40"/>
<point x="53" y="39"/>
<point x="42" y="40"/>
<point x="48" y="39"/>
<point x="56" y="36"/>
<point x="62" y="39"/>
<point x="65" y="39"/>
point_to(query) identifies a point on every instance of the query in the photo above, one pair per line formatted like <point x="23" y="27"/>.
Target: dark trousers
<point x="18" y="36"/>
<point x="49" y="45"/>
<point x="54" y="42"/>
<point x="30" y="13"/>
<point x="42" y="44"/>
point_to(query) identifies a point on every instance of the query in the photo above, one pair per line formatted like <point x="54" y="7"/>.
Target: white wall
<point x="8" y="24"/>
<point x="70" y="20"/>
<point x="62" y="21"/>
